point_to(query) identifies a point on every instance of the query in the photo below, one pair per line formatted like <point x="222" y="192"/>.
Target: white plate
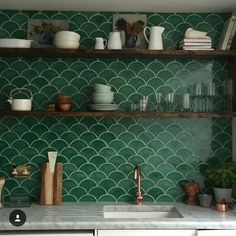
<point x="104" y="107"/>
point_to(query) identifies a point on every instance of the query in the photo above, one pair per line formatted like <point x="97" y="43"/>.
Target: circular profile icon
<point x="17" y="217"/>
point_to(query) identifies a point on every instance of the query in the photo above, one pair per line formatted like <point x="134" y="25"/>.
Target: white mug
<point x="100" y="43"/>
<point x="114" y="41"/>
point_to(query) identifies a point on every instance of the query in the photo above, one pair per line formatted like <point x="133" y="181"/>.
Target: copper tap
<point x="137" y="175"/>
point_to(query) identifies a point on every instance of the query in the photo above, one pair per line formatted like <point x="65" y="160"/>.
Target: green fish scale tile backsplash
<point x="99" y="154"/>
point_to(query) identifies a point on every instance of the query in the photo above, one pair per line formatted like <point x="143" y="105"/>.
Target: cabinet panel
<point x="146" y="233"/>
<point x="216" y="232"/>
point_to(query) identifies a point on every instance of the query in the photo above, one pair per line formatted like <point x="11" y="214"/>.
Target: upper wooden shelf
<point x="139" y="53"/>
<point x="119" y="114"/>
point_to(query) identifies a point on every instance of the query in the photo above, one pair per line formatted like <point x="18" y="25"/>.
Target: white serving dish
<point x="67" y="44"/>
<point x="67" y="35"/>
<point x="15" y="43"/>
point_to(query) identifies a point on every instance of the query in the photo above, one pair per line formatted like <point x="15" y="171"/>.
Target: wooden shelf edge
<point x="118" y="114"/>
<point x="55" y="52"/>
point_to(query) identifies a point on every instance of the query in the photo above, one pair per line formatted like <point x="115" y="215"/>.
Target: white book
<point x="195" y="44"/>
<point x="198" y="48"/>
<point x="228" y="26"/>
<point x="192" y="40"/>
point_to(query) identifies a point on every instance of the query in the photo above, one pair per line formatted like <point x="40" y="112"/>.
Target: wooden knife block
<point x="51" y="184"/>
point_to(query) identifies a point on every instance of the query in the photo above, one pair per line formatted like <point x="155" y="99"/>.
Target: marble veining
<point x="90" y="216"/>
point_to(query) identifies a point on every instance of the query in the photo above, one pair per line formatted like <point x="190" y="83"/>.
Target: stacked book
<point x="196" y="43"/>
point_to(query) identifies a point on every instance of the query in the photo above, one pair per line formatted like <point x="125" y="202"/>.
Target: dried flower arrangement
<point x="131" y="30"/>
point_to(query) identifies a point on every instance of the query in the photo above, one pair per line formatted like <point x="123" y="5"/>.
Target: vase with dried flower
<point x="131" y="30"/>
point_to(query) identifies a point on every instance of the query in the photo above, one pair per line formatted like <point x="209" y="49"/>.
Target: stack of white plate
<point x="103" y="98"/>
<point x="67" y="40"/>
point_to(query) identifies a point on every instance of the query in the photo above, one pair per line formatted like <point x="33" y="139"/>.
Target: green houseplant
<point x="222" y="176"/>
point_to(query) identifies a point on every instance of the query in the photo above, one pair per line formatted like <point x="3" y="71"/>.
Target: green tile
<point x="99" y="154"/>
<point x="107" y="184"/>
<point x="87" y="184"/>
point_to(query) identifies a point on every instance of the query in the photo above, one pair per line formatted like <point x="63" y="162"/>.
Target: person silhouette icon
<point x="17" y="218"/>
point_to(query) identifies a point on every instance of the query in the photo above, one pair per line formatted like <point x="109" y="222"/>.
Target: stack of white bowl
<point x="103" y="98"/>
<point x="67" y="40"/>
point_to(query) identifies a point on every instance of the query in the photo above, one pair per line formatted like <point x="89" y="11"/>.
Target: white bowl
<point x="102" y="88"/>
<point x="15" y="43"/>
<point x="66" y="44"/>
<point x="103" y="98"/>
<point x="67" y="35"/>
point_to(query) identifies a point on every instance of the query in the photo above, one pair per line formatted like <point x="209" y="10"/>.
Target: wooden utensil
<point x="57" y="185"/>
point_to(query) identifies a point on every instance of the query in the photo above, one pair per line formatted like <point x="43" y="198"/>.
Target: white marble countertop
<point x="90" y="216"/>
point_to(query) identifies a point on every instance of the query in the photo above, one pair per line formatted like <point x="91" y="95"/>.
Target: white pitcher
<point x="100" y="43"/>
<point x="155" y="39"/>
<point x="114" y="41"/>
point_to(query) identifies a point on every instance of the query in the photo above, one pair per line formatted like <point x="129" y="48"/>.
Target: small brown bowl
<point x="64" y="106"/>
<point x="63" y="99"/>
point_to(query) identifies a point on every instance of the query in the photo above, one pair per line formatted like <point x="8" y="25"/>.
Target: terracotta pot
<point x="64" y="106"/>
<point x="63" y="99"/>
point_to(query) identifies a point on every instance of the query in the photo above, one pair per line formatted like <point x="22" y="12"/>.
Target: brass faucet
<point x="137" y="175"/>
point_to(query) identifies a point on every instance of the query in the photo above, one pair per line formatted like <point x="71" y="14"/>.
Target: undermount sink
<point x="141" y="212"/>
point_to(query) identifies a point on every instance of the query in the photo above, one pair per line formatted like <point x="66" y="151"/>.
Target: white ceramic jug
<point x="155" y="39"/>
<point x="100" y="43"/>
<point x="114" y="41"/>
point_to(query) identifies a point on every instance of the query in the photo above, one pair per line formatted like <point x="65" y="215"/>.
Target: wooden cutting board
<point x="46" y="197"/>
<point x="57" y="184"/>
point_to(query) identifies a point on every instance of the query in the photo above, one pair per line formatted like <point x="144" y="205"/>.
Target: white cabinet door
<point x="216" y="233"/>
<point x="49" y="233"/>
<point x="146" y="233"/>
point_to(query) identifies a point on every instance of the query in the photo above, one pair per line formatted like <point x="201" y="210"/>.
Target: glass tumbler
<point x="170" y="99"/>
<point x="158" y="105"/>
<point x="198" y="97"/>
<point x="209" y="96"/>
<point x="186" y="103"/>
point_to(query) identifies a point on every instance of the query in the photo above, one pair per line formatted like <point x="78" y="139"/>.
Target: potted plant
<point x="222" y="176"/>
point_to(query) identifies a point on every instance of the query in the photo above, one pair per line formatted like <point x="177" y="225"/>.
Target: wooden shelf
<point x="118" y="114"/>
<point x="138" y="53"/>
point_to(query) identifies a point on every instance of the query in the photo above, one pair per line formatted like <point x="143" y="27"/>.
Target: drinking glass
<point x="209" y="96"/>
<point x="143" y="104"/>
<point x="186" y="103"/>
<point x="170" y="99"/>
<point x="198" y="100"/>
<point x="158" y="97"/>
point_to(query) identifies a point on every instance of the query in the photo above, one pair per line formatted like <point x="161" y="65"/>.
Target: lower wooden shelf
<point x="118" y="114"/>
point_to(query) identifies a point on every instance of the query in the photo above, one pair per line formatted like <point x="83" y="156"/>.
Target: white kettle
<point x="114" y="41"/>
<point x="155" y="39"/>
<point x="20" y="104"/>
